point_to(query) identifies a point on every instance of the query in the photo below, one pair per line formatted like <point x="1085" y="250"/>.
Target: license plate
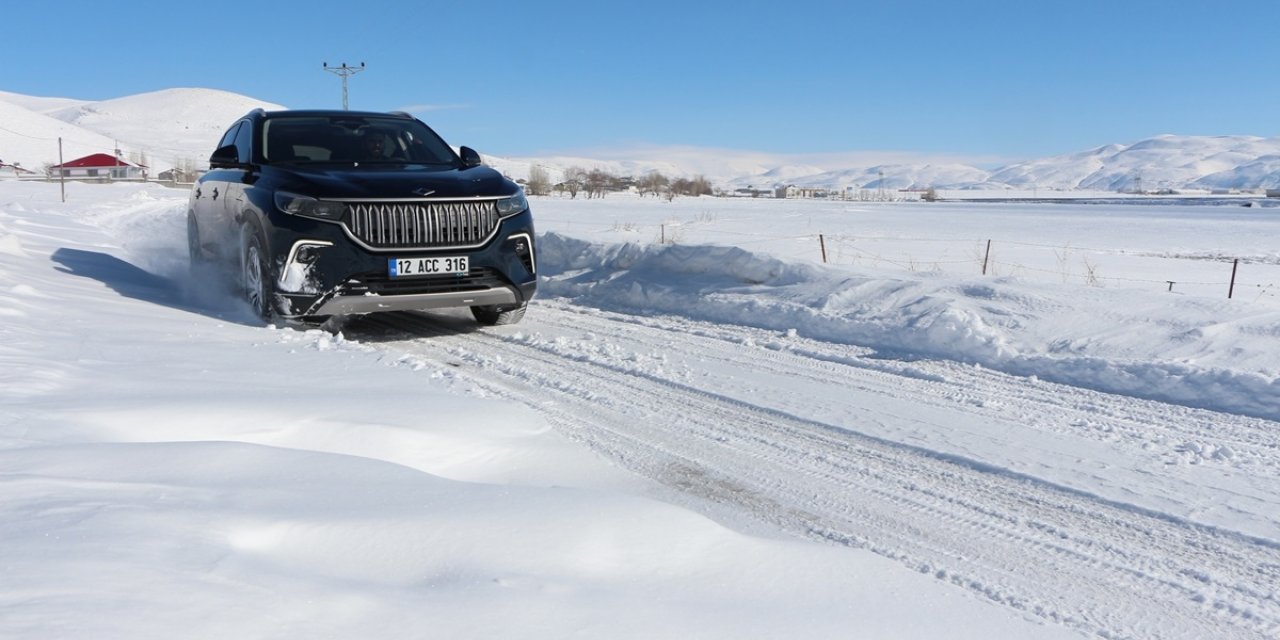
<point x="428" y="266"/>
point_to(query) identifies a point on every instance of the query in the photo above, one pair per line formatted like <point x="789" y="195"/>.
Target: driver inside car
<point x="373" y="145"/>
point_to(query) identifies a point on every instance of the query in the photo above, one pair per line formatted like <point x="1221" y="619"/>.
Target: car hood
<point x="391" y="181"/>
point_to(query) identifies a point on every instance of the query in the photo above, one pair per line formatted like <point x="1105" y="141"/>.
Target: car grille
<point x="393" y="225"/>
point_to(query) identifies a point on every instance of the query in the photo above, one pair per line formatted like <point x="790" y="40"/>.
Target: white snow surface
<point x="167" y="128"/>
<point x="30" y="139"/>
<point x="700" y="430"/>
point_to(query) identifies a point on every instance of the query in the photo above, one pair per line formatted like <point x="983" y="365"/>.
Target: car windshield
<point x="352" y="138"/>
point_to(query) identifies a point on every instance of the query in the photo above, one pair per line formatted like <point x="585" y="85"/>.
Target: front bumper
<point x="321" y="272"/>
<point x="349" y="305"/>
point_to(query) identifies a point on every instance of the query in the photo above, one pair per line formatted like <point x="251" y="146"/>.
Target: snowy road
<point x="925" y="462"/>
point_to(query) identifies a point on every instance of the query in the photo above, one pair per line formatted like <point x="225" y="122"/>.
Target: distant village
<point x="594" y="183"/>
<point x="100" y="167"/>
<point x="111" y="167"/>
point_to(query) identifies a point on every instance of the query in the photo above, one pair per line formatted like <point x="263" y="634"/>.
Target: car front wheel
<point x="255" y="275"/>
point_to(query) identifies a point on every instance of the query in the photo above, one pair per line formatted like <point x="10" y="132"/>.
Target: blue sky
<point x="985" y="82"/>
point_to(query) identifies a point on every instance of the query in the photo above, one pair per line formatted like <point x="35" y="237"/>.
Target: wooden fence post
<point x="1232" y="289"/>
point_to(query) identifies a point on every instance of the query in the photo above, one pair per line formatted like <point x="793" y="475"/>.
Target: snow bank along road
<point x="1119" y="517"/>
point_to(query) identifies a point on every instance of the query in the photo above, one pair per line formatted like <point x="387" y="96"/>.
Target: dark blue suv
<point x="338" y="213"/>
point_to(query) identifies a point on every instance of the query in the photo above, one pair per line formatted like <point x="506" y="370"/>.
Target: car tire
<point x="255" y="274"/>
<point x="492" y="315"/>
<point x="195" y="253"/>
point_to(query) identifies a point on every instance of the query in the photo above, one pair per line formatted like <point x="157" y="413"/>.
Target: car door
<point x="233" y="197"/>
<point x="211" y="199"/>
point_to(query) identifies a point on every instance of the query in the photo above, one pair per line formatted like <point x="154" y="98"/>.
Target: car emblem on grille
<point x="424" y="192"/>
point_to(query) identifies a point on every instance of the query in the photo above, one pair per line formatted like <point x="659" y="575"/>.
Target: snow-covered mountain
<point x="162" y="129"/>
<point x="1165" y="162"/>
<point x="38" y="104"/>
<point x="889" y="176"/>
<point x="29" y="138"/>
<point x="164" y="123"/>
<point x="1168" y="161"/>
<point x="180" y="126"/>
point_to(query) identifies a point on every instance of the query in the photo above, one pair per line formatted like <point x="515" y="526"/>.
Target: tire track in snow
<point x="1077" y="412"/>
<point x="1058" y="554"/>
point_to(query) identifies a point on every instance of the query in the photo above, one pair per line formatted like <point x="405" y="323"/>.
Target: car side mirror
<point x="470" y="158"/>
<point x="227" y="156"/>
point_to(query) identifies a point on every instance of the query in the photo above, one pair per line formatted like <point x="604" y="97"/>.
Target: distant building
<point x="750" y="192"/>
<point x="179" y="176"/>
<point x="100" y="166"/>
<point x="792" y="191"/>
<point x="15" y="168"/>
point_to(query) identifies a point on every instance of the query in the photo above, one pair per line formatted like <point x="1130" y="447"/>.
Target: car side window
<point x="244" y="142"/>
<point x="230" y="136"/>
<point x="424" y="146"/>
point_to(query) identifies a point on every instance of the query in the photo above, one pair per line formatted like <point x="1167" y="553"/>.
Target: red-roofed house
<point x="101" y="166"/>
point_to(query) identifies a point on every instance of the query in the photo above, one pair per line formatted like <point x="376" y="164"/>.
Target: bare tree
<point x="702" y="186"/>
<point x="695" y="186"/>
<point x="598" y="181"/>
<point x="653" y="182"/>
<point x="575" y="178"/>
<point x="539" y="184"/>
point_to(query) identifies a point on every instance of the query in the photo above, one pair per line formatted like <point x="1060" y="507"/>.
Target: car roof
<point x="337" y="113"/>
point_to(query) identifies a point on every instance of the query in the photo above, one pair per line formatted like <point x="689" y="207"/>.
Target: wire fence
<point x="1207" y="274"/>
<point x="1211" y="274"/>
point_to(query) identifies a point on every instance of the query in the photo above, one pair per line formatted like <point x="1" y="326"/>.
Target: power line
<point x="345" y="72"/>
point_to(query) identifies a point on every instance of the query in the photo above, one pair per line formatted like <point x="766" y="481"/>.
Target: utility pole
<point x="345" y="72"/>
<point x="62" y="172"/>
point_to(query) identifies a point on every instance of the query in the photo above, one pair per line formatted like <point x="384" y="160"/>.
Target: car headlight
<point x="512" y="205"/>
<point x="308" y="207"/>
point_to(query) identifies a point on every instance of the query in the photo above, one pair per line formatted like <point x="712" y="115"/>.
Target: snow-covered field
<point x="715" y="437"/>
